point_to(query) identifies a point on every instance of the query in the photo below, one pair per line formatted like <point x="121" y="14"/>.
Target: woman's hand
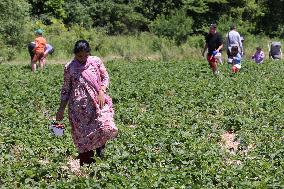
<point x="101" y="98"/>
<point x="59" y="115"/>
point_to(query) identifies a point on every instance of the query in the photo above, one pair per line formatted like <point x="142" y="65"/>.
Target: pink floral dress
<point x="92" y="126"/>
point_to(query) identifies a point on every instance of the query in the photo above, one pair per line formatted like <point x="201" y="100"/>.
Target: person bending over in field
<point x="40" y="44"/>
<point x="48" y="50"/>
<point x="235" y="59"/>
<point x="89" y="107"/>
<point x="258" y="56"/>
<point x="214" y="44"/>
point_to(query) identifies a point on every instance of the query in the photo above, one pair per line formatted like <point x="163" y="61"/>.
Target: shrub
<point x="13" y="16"/>
<point x="117" y="18"/>
<point x="7" y="53"/>
<point x="77" y="13"/>
<point x="177" y="26"/>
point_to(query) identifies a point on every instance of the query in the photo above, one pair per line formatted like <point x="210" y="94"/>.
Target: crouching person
<point x="47" y="50"/>
<point x="38" y="51"/>
<point x="235" y="59"/>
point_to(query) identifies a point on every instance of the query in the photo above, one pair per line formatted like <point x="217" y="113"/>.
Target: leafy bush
<point x="116" y="18"/>
<point x="13" y="18"/>
<point x="47" y="10"/>
<point x="7" y="53"/>
<point x="243" y="27"/>
<point x="196" y="41"/>
<point x="78" y="13"/>
<point x="177" y="26"/>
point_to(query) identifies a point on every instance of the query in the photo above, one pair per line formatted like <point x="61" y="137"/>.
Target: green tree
<point x="177" y="26"/>
<point x="117" y="17"/>
<point x="243" y="13"/>
<point x="46" y="9"/>
<point x="204" y="12"/>
<point x="13" y="17"/>
<point x="151" y="9"/>
<point x="272" y="22"/>
<point x="78" y="12"/>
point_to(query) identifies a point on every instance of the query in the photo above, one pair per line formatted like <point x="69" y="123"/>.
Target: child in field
<point x="48" y="49"/>
<point x="258" y="56"/>
<point x="235" y="59"/>
<point x="40" y="44"/>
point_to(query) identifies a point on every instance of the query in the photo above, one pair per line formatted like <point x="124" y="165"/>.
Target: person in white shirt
<point x="234" y="39"/>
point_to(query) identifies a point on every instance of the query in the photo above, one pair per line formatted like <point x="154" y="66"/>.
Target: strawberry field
<point x="179" y="127"/>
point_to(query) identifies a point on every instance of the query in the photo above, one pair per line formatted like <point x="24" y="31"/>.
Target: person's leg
<point x="234" y="69"/>
<point x="33" y="62"/>
<point x="32" y="54"/>
<point x="213" y="64"/>
<point x="45" y="54"/>
<point x="86" y="157"/>
<point x="228" y="53"/>
<point x="42" y="62"/>
<point x="33" y="65"/>
<point x="100" y="151"/>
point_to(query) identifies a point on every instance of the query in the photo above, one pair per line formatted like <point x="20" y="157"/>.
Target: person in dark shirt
<point x="214" y="44"/>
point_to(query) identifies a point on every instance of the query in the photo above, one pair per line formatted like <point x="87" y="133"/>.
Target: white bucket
<point x="57" y="129"/>
<point x="238" y="66"/>
<point x="230" y="60"/>
<point x="218" y="55"/>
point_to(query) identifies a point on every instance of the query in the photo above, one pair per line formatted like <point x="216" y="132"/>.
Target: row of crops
<point x="172" y="117"/>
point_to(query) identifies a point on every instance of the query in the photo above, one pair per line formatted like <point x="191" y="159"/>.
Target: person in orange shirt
<point x="40" y="44"/>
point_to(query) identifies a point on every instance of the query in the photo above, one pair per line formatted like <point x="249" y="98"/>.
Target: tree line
<point x="174" y="19"/>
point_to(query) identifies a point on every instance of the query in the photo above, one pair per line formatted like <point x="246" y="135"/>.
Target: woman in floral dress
<point x="89" y="107"/>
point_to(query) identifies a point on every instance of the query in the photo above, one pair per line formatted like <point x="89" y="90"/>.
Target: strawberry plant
<point x="171" y="116"/>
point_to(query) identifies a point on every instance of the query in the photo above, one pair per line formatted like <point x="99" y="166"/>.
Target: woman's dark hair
<point x="81" y="45"/>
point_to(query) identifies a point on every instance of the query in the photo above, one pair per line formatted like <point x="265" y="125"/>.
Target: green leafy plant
<point x="171" y="117"/>
<point x="177" y="26"/>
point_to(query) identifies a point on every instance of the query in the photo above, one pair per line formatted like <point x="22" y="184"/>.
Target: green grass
<point x="170" y="116"/>
<point x="143" y="46"/>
